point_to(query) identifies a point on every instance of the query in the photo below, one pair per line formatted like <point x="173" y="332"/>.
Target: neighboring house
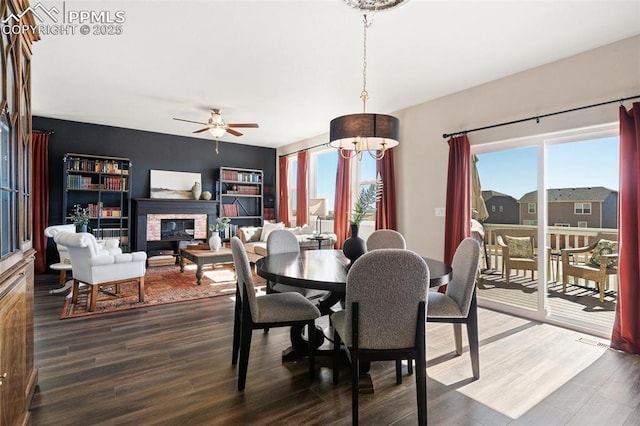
<point x="593" y="207"/>
<point x="502" y="208"/>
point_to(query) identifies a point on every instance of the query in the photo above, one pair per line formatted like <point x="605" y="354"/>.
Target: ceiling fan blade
<point x="233" y="132"/>
<point x="189" y="121"/>
<point x="252" y="125"/>
<point x="201" y="130"/>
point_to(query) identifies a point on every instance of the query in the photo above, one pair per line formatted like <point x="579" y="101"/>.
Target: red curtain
<point x="302" y="200"/>
<point x="458" y="204"/>
<point x="342" y="205"/>
<point x="386" y="215"/>
<point x="283" y="190"/>
<point x="40" y="197"/>
<point x="626" y="327"/>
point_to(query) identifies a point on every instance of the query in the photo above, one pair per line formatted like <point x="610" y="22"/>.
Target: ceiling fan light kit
<point x="217" y="126"/>
<point x="354" y="134"/>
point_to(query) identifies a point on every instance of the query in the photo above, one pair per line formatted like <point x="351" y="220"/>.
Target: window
<point x="582" y="224"/>
<point x="582" y="208"/>
<point x="365" y="175"/>
<point x="531" y="208"/>
<point x="501" y="209"/>
<point x="564" y="225"/>
<point x="293" y="183"/>
<point x="529" y="222"/>
<point x="322" y="177"/>
<point x="493" y="209"/>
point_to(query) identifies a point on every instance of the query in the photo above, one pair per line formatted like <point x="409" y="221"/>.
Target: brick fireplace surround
<point x="149" y="212"/>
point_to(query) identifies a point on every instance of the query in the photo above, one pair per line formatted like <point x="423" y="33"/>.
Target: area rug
<point x="162" y="285"/>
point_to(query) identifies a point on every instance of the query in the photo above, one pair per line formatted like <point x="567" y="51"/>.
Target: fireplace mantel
<point x="146" y="206"/>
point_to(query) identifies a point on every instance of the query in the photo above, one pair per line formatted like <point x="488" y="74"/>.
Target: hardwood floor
<point x="171" y="365"/>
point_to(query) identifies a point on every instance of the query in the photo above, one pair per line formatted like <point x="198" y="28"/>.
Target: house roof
<point x="594" y="193"/>
<point x="489" y="194"/>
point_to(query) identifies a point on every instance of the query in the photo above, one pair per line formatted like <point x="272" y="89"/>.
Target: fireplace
<point x="162" y="222"/>
<point x="177" y="229"/>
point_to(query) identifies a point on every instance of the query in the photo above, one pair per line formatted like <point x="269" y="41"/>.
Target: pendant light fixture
<point x="354" y="134"/>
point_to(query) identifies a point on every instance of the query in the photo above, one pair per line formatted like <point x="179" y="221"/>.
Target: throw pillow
<point x="307" y="230"/>
<point x="520" y="247"/>
<point x="605" y="247"/>
<point x="268" y="227"/>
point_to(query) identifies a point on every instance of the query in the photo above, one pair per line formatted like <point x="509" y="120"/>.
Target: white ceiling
<point x="292" y="66"/>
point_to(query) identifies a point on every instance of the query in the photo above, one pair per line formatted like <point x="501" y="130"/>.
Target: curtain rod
<point x="537" y="117"/>
<point x="49" y="132"/>
<point x="303" y="149"/>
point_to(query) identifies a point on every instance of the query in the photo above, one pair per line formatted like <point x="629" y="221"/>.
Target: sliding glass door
<point x="544" y="195"/>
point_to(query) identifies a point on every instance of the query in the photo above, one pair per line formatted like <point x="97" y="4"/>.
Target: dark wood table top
<point x="326" y="269"/>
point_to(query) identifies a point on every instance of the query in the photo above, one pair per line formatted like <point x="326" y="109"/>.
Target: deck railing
<point x="557" y="238"/>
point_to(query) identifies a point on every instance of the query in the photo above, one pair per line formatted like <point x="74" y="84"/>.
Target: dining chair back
<point x="458" y="305"/>
<point x="284" y="241"/>
<point x="384" y="316"/>
<point x="385" y="238"/>
<point x="269" y="310"/>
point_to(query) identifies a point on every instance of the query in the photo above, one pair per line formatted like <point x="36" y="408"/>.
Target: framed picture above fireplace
<point x="169" y="184"/>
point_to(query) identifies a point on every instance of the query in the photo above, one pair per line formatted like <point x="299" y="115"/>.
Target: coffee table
<point x="204" y="257"/>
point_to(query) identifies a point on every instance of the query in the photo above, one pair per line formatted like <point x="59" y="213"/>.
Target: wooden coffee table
<point x="204" y="257"/>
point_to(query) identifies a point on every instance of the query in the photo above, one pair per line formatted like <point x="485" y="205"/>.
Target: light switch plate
<point x="440" y="211"/>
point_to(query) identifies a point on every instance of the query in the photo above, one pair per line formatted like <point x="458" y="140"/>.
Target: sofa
<point x="254" y="239"/>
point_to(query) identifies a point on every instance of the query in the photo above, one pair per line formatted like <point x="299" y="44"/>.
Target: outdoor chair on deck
<point x="594" y="262"/>
<point x="519" y="250"/>
<point x="267" y="311"/>
<point x="384" y="318"/>
<point x="97" y="268"/>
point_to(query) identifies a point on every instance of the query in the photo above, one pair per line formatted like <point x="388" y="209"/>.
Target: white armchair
<point x="97" y="268"/>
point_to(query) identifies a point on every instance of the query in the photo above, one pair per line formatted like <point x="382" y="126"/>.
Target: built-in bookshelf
<point x="101" y="185"/>
<point x="240" y="196"/>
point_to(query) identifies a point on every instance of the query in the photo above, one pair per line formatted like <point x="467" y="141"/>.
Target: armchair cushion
<point x="604" y="247"/>
<point x="520" y="247"/>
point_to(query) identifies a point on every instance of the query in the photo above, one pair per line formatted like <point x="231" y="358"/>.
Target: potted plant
<point x="220" y="224"/>
<point x="354" y="246"/>
<point x="80" y="217"/>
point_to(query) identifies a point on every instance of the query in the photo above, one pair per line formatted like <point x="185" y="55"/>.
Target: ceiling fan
<point x="218" y="127"/>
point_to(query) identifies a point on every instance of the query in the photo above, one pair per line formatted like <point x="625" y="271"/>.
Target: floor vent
<point x="592" y="342"/>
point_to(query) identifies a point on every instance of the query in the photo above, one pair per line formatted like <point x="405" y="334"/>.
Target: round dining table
<point x="324" y="270"/>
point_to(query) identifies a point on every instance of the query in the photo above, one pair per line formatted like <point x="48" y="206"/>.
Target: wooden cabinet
<point x="241" y="197"/>
<point x="18" y="375"/>
<point x="13" y="313"/>
<point x="102" y="185"/>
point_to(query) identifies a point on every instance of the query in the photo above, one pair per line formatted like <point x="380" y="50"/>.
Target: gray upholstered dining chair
<point x="270" y="310"/>
<point x="283" y="241"/>
<point x="385" y="238"/>
<point x="458" y="305"/>
<point x="384" y="317"/>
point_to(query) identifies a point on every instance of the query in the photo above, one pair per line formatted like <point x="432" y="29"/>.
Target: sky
<point x="569" y="165"/>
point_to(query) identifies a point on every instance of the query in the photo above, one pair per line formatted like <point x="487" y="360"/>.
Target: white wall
<point x="606" y="73"/>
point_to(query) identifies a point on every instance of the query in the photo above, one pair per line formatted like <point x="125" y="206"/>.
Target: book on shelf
<point x="236" y="176"/>
<point x="229" y="210"/>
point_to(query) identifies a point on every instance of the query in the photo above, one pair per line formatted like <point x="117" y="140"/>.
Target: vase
<point x="206" y="195"/>
<point x="196" y="191"/>
<point x="215" y="242"/>
<point x="354" y="246"/>
<point x="81" y="228"/>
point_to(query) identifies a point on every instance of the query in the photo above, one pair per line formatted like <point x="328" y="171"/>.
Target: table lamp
<point x="318" y="208"/>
